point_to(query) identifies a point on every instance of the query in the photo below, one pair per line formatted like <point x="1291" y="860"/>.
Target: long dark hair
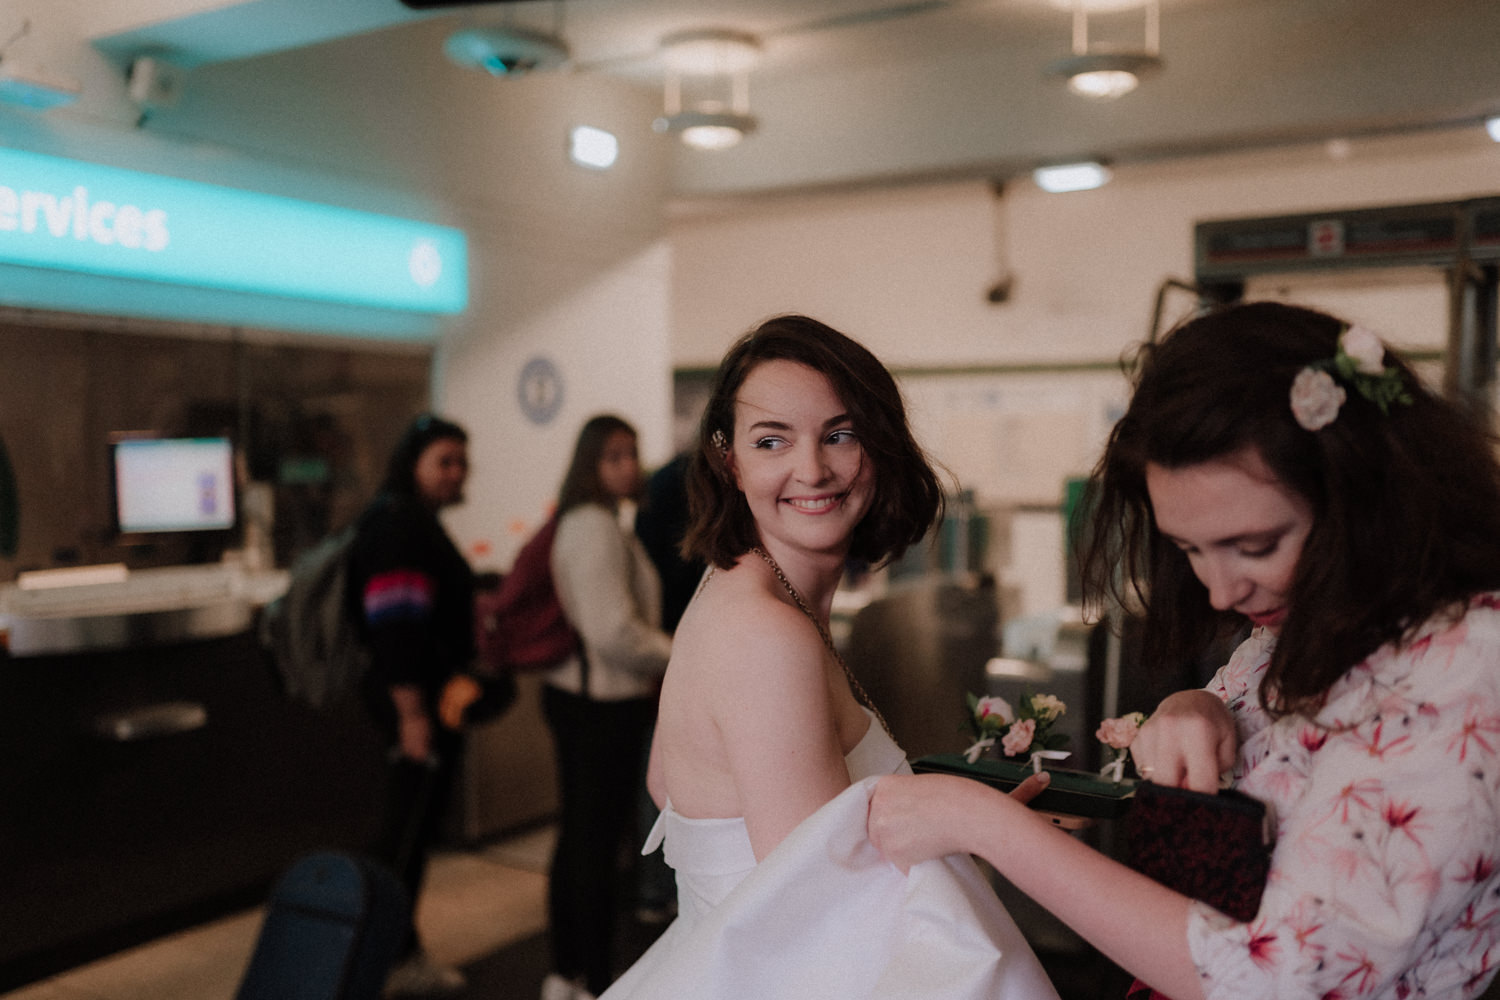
<point x="908" y="498"/>
<point x="400" y="471"/>
<point x="1406" y="503"/>
<point x="581" y="484"/>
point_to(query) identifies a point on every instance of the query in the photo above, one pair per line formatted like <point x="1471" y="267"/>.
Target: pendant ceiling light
<point x="1106" y="72"/>
<point x="707" y="91"/>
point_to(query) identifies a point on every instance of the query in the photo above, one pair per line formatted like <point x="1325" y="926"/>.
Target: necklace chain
<point x="797" y="599"/>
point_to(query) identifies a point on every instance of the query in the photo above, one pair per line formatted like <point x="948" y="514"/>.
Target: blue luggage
<point x="334" y="925"/>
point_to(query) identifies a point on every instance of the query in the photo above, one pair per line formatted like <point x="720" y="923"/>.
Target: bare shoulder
<point x="742" y="632"/>
<point x="746" y="684"/>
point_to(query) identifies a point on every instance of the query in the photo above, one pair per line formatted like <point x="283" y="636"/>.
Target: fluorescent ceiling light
<point x="1071" y="177"/>
<point x="1492" y="126"/>
<point x="593" y="147"/>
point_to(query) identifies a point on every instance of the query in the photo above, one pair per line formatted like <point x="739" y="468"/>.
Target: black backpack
<point x="309" y="631"/>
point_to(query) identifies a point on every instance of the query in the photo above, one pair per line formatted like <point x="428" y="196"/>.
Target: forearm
<point x="1137" y="923"/>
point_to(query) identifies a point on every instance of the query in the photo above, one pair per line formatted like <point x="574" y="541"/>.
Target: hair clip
<point x="719" y="441"/>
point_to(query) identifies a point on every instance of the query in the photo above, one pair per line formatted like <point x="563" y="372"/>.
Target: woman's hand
<point x="916" y="818"/>
<point x="459" y="693"/>
<point x="413" y="729"/>
<point x="1187" y="742"/>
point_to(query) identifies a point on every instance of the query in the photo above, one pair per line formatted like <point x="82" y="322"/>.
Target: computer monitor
<point x="172" y="484"/>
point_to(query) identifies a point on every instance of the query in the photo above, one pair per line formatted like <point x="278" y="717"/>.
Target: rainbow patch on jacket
<point x="400" y="595"/>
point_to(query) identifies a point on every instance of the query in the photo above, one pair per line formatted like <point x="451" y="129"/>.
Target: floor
<point x="475" y="902"/>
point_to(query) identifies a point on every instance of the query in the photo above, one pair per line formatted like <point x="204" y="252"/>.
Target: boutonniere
<point x="1118" y="734"/>
<point x="1025" y="731"/>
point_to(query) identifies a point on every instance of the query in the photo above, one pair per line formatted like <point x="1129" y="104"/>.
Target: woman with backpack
<point x="600" y="703"/>
<point x="414" y="594"/>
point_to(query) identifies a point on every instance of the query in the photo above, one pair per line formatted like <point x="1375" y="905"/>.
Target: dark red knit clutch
<point x="1216" y="848"/>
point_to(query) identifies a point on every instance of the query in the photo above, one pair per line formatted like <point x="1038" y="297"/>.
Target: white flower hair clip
<point x="1316" y="397"/>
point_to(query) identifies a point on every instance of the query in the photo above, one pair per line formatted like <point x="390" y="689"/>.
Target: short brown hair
<point x="908" y="498"/>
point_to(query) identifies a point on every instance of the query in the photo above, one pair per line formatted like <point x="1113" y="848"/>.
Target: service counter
<point x="152" y="774"/>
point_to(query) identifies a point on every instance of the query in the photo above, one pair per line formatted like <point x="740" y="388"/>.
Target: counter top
<point x="145" y="607"/>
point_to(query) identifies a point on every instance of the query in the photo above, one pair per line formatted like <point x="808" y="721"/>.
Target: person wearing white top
<point x="601" y="703"/>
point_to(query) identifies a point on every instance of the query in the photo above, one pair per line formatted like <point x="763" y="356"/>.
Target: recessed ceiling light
<point x="1492" y="126"/>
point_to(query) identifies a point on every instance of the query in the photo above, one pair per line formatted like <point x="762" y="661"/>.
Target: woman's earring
<point x="719" y="441"/>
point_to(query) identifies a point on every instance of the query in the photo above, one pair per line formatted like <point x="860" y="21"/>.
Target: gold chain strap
<point x="858" y="688"/>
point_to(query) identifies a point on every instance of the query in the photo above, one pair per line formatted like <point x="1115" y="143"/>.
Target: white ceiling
<point x="861" y="91"/>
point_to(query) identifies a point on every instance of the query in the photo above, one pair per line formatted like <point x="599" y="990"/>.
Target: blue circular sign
<point x="540" y="390"/>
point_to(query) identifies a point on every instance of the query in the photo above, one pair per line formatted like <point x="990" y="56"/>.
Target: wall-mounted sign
<point x="540" y="389"/>
<point x="81" y="217"/>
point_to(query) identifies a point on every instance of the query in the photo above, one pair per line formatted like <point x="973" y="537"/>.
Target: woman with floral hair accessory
<point x="1279" y="468"/>
<point x="766" y="747"/>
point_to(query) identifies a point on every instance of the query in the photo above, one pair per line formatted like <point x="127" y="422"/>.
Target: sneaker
<point x="420" y="976"/>
<point x="556" y="987"/>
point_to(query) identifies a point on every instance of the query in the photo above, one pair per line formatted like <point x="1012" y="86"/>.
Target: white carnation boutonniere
<point x="1023" y="731"/>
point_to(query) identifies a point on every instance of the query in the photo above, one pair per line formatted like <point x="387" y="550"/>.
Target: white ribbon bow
<point x="1114" y="771"/>
<point x="972" y="754"/>
<point x="1038" y="755"/>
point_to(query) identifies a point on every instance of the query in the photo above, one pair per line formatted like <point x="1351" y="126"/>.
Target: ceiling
<point x="862" y="91"/>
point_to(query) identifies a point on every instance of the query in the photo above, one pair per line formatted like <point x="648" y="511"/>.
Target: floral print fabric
<point x="1385" y="881"/>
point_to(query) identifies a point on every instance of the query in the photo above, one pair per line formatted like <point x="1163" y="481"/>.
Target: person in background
<point x="766" y="746"/>
<point x="661" y="524"/>
<point x="600" y="703"/>
<point x="413" y="593"/>
<point x="1279" y="467"/>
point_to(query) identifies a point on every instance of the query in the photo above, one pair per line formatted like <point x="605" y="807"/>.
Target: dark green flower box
<point x="1071" y="793"/>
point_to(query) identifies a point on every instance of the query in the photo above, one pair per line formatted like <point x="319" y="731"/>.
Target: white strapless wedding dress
<point x="825" y="916"/>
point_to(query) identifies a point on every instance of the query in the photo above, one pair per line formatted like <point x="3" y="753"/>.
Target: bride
<point x="766" y="746"/>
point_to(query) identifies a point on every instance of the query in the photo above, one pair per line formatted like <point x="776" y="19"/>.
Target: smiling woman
<point x="766" y="748"/>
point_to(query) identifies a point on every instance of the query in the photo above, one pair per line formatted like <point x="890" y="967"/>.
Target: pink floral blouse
<point x="1385" y="880"/>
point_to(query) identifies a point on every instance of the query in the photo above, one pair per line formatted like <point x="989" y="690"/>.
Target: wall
<point x="1015" y="397"/>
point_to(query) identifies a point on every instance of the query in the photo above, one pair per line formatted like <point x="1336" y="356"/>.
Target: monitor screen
<point x="173" y="484"/>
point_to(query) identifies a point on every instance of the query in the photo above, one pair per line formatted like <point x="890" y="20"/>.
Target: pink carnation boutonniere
<point x="1118" y="734"/>
<point x="1022" y="731"/>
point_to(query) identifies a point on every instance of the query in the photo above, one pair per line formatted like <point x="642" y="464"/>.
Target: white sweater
<point x="610" y="591"/>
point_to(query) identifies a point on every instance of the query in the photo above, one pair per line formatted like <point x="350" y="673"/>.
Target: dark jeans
<point x="599" y="746"/>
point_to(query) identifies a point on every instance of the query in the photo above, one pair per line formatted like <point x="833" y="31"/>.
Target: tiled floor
<point x="474" y="902"/>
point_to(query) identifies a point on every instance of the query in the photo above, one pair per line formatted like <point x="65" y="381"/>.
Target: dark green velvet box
<point x="1071" y="793"/>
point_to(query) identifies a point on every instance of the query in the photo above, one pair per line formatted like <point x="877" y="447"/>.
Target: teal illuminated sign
<point x="81" y="217"/>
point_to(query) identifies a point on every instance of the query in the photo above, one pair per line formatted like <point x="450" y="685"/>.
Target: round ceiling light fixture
<point x="1104" y="75"/>
<point x="509" y="51"/>
<point x="1107" y="72"/>
<point x="707" y="130"/>
<point x="706" y="101"/>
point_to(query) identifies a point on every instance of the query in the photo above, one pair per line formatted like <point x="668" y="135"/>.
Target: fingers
<point x="1187" y="742"/>
<point x="1034" y="785"/>
<point x="459" y="693"/>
